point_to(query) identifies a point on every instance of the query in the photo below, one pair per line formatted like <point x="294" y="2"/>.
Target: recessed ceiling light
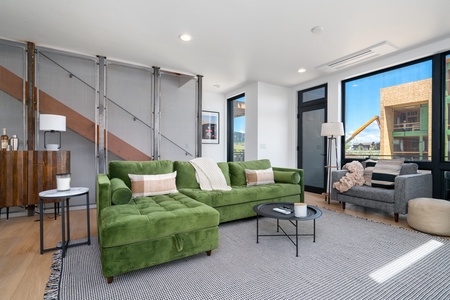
<point x="185" y="37"/>
<point x="216" y="86"/>
<point x="317" y="29"/>
<point x="301" y="70"/>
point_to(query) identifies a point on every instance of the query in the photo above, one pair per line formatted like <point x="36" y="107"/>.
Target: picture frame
<point x="210" y="127"/>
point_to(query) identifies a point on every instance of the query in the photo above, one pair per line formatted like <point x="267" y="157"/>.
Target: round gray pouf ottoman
<point x="429" y="215"/>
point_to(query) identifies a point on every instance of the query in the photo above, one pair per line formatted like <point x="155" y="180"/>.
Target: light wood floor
<point x="24" y="272"/>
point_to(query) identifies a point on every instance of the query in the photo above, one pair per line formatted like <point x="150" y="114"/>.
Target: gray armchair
<point x="408" y="185"/>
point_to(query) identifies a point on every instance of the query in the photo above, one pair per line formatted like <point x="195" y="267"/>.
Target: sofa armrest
<point x="411" y="186"/>
<point x="103" y="191"/>
<point x="302" y="179"/>
<point x="335" y="177"/>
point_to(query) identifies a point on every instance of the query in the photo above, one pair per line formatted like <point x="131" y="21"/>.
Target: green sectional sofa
<point x="139" y="232"/>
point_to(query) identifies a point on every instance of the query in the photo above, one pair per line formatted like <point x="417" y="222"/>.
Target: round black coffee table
<point x="266" y="210"/>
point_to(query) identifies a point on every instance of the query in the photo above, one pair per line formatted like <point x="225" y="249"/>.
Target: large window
<point x="392" y="113"/>
<point x="387" y="114"/>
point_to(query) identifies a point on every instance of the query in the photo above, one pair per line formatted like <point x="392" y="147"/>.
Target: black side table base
<point x="266" y="211"/>
<point x="287" y="234"/>
<point x="65" y="212"/>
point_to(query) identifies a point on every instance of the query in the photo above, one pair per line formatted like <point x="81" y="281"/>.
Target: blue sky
<point x="239" y="123"/>
<point x="363" y="98"/>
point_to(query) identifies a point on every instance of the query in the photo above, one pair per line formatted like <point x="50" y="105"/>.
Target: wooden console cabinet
<point x="26" y="173"/>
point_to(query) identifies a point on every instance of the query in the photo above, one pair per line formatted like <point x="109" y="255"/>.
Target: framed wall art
<point x="210" y="127"/>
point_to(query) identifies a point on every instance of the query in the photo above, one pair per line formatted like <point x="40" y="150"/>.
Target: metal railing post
<point x="199" y="115"/>
<point x="156" y="111"/>
<point x="101" y="117"/>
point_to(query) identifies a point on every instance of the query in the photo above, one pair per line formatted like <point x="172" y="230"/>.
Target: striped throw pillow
<point x="385" y="171"/>
<point x="258" y="177"/>
<point x="151" y="185"/>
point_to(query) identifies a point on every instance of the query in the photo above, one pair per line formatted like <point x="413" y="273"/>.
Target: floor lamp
<point x="331" y="130"/>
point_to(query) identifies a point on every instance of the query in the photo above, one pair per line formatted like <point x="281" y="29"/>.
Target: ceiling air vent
<point x="358" y="57"/>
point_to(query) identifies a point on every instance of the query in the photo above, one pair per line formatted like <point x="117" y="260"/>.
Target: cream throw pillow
<point x="258" y="177"/>
<point x="151" y="185"/>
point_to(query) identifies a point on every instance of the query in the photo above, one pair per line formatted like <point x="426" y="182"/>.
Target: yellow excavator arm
<point x="357" y="131"/>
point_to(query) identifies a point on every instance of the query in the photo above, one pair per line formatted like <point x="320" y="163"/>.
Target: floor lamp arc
<point x="331" y="130"/>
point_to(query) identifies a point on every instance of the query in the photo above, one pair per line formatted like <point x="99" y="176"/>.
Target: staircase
<point x="12" y="85"/>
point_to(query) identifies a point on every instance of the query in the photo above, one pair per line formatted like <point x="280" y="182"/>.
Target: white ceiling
<point x="234" y="41"/>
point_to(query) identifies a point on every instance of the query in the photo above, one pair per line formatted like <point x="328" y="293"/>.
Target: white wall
<point x="268" y="126"/>
<point x="273" y="124"/>
<point x="251" y="121"/>
<point x="218" y="103"/>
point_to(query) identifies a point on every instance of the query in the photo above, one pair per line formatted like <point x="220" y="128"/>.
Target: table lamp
<point x="52" y="123"/>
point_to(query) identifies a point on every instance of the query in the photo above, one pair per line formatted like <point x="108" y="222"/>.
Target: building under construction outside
<point x="404" y="118"/>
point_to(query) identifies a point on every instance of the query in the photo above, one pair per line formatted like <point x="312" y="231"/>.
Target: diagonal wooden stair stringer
<point x="11" y="84"/>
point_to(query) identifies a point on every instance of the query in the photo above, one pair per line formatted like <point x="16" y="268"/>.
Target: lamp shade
<point x="52" y="123"/>
<point x="332" y="129"/>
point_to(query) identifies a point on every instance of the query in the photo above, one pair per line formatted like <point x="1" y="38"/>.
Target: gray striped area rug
<point x="352" y="258"/>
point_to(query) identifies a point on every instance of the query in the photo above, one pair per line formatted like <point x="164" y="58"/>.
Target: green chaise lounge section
<point x="144" y="231"/>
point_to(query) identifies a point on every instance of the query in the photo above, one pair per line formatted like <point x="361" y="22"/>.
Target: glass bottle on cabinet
<point x="4" y="140"/>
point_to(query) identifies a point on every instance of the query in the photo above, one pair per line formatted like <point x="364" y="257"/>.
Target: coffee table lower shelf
<point x="266" y="210"/>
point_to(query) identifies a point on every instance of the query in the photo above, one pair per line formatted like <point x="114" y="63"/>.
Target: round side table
<point x="65" y="197"/>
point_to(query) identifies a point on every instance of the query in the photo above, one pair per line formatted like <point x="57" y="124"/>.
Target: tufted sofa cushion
<point x="152" y="218"/>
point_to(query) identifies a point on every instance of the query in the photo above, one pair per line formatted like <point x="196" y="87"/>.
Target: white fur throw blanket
<point x="354" y="176"/>
<point x="209" y="175"/>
